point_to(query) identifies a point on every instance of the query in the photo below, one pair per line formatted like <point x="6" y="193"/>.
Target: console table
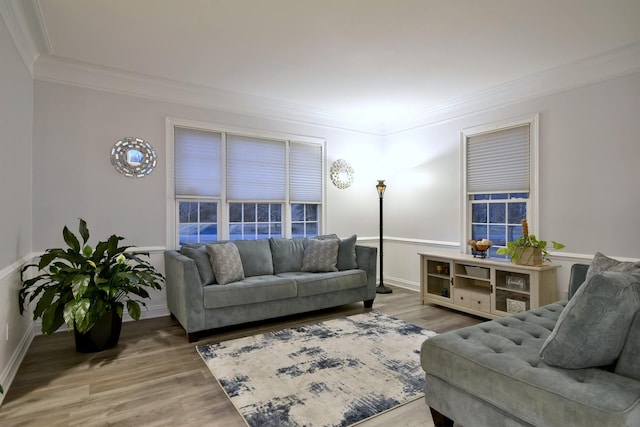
<point x="490" y="288"/>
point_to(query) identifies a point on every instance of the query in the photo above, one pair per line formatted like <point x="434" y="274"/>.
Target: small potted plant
<point x="527" y="249"/>
<point x="87" y="288"/>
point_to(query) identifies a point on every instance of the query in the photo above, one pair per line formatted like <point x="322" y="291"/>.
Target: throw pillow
<point x="593" y="327"/>
<point x="255" y="256"/>
<point x="629" y="360"/>
<point x="320" y="255"/>
<point x="226" y="262"/>
<point x="346" y="251"/>
<point x="200" y="256"/>
<point x="602" y="262"/>
<point x="287" y="254"/>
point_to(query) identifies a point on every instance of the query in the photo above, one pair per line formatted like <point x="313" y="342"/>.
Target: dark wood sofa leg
<point x="368" y="303"/>
<point x="440" y="420"/>
<point x="193" y="336"/>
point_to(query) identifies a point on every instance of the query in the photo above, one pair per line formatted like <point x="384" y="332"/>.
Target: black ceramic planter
<point x="104" y="334"/>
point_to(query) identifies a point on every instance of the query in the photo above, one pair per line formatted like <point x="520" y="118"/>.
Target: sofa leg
<point x="440" y="420"/>
<point x="368" y="303"/>
<point x="193" y="336"/>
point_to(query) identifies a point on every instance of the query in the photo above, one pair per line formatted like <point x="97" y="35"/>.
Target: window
<point x="497" y="217"/>
<point x="232" y="185"/>
<point x="197" y="221"/>
<point x="252" y="221"/>
<point x="500" y="169"/>
<point x="304" y="220"/>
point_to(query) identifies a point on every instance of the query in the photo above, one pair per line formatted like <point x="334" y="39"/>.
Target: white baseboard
<point x="149" y="313"/>
<point x="9" y="372"/>
<point x="152" y="312"/>
<point x="401" y="283"/>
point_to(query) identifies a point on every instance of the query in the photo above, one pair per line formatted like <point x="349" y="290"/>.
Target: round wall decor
<point x="133" y="157"/>
<point x="341" y="174"/>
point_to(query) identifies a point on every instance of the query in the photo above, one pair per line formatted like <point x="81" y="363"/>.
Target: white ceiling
<point x="381" y="60"/>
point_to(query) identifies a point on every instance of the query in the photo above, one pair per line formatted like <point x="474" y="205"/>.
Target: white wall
<point x="16" y="121"/>
<point x="589" y="151"/>
<point x="75" y="129"/>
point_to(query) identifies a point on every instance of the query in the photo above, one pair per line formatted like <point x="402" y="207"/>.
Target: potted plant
<point x="87" y="288"/>
<point x="527" y="249"/>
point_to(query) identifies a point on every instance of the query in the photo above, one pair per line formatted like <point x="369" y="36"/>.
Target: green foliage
<point x="514" y="248"/>
<point x="78" y="285"/>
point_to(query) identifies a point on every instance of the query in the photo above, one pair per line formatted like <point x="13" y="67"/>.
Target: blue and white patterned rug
<point x="334" y="373"/>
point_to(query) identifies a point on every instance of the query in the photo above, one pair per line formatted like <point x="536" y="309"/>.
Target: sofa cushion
<point x="256" y="257"/>
<point x="320" y="255"/>
<point x="287" y="254"/>
<point x="346" y="251"/>
<point x="226" y="262"/>
<point x="498" y="362"/>
<point x="602" y="263"/>
<point x="200" y="256"/>
<point x="322" y="283"/>
<point x="251" y="290"/>
<point x="629" y="360"/>
<point x="592" y="329"/>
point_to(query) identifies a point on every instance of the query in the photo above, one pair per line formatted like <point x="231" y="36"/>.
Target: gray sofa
<point x="507" y="372"/>
<point x="273" y="282"/>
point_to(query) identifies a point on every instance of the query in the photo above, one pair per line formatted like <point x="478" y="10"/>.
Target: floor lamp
<point x="381" y="288"/>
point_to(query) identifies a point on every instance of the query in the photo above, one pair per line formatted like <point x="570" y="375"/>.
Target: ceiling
<point x="378" y="60"/>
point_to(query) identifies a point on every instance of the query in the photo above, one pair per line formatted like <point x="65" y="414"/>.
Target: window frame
<point x="532" y="204"/>
<point x="197" y="199"/>
<point x="172" y="226"/>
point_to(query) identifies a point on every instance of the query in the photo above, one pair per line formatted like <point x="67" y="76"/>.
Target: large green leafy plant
<point x="78" y="285"/>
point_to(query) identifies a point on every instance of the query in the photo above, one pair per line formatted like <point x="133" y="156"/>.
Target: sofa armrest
<point x="366" y="257"/>
<point x="185" y="296"/>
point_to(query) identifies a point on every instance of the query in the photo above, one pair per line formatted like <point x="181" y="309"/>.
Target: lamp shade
<point x="380" y="187"/>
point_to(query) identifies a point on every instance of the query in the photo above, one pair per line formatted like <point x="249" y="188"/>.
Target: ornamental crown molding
<point x="15" y="18"/>
<point x="611" y="64"/>
<point x="608" y="65"/>
<point x="23" y="20"/>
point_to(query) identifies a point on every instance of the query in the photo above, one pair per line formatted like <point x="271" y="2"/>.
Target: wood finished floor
<point x="154" y="377"/>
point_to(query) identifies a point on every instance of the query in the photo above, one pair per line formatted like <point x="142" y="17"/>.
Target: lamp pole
<point x="381" y="288"/>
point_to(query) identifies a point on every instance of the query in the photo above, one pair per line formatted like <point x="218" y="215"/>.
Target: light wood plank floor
<point x="154" y="377"/>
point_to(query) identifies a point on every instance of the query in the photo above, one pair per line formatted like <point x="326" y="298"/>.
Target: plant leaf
<point x="134" y="309"/>
<point x="87" y="251"/>
<point x="52" y="318"/>
<point x="84" y="231"/>
<point x="44" y="302"/>
<point x="70" y="239"/>
<point x="82" y="315"/>
<point x="80" y="284"/>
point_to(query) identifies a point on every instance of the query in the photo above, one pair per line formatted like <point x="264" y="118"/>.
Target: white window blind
<point x="197" y="162"/>
<point x="499" y="161"/>
<point x="305" y="172"/>
<point x="256" y="169"/>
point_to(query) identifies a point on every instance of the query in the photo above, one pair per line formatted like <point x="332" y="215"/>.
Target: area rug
<point x="333" y="373"/>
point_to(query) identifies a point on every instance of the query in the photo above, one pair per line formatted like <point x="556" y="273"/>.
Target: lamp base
<point x="382" y="289"/>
